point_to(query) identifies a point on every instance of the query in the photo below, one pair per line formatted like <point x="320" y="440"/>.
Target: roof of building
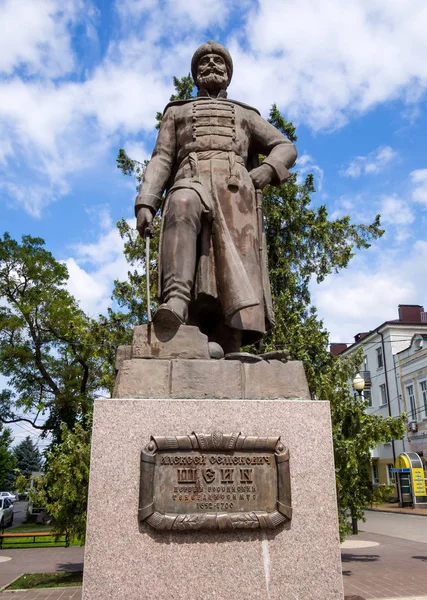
<point x="414" y="337"/>
<point x="405" y="310"/>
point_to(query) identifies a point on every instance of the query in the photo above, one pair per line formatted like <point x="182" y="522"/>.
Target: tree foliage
<point x="54" y="356"/>
<point x="184" y="89"/>
<point x="62" y="490"/>
<point x="355" y="433"/>
<point x="304" y="243"/>
<point x="7" y="457"/>
<point x="28" y="457"/>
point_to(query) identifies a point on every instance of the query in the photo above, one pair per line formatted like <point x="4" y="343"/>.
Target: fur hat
<point x="211" y="47"/>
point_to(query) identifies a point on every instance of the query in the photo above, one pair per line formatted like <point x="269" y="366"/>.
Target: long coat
<point x="210" y="145"/>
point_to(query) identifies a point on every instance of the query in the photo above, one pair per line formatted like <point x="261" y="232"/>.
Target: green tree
<point x="57" y="360"/>
<point x="7" y="458"/>
<point x="304" y="243"/>
<point x="355" y="433"/>
<point x="62" y="490"/>
<point x="53" y="355"/>
<point x="28" y="457"/>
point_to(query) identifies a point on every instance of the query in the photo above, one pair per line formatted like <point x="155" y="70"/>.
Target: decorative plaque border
<point x="217" y="441"/>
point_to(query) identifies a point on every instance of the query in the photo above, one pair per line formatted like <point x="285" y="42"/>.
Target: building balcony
<point x="366" y="376"/>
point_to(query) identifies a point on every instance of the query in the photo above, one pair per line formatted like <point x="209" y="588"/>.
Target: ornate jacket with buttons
<point x="208" y="124"/>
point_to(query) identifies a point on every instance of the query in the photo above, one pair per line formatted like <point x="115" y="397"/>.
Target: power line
<point x="397" y="338"/>
<point x="18" y="424"/>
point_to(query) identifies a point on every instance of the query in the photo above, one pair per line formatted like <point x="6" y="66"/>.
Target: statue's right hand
<point x="144" y="219"/>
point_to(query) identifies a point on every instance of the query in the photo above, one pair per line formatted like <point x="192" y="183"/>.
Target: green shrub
<point x="383" y="493"/>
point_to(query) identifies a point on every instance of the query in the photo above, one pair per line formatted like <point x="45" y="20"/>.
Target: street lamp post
<point x="359" y="386"/>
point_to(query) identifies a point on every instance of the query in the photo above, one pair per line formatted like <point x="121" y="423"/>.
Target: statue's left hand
<point x="262" y="176"/>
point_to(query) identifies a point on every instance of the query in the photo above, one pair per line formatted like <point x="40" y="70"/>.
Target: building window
<point x="390" y="475"/>
<point x="365" y="364"/>
<point x="368" y="396"/>
<point x="411" y="402"/>
<point x="423" y="389"/>
<point x="380" y="358"/>
<point x="383" y="392"/>
<point x="375" y="478"/>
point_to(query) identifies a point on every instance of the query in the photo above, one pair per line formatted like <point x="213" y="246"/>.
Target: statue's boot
<point x="179" y="247"/>
<point x="172" y="313"/>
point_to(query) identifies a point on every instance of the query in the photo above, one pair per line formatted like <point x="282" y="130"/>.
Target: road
<point x="408" y="527"/>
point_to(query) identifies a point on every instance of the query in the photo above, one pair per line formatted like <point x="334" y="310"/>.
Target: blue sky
<point x="79" y="79"/>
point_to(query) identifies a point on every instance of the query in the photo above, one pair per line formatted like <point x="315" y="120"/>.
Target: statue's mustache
<point x="212" y="70"/>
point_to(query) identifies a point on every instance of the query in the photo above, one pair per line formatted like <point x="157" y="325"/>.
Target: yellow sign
<point x="418" y="482"/>
<point x="402" y="462"/>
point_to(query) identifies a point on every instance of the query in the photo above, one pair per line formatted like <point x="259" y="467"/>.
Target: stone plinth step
<point x="210" y="379"/>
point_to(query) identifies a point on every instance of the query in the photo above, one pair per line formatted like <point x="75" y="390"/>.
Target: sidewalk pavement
<point x="394" y="508"/>
<point x="384" y="567"/>
<point x="71" y="593"/>
<point x="38" y="560"/>
<point x="374" y="567"/>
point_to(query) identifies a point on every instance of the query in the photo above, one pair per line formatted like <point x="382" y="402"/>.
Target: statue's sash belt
<point x="194" y="157"/>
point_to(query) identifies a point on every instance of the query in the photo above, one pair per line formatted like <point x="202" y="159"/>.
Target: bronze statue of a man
<point x="213" y="269"/>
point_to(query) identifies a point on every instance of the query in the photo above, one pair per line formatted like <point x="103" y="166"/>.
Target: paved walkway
<point x="51" y="594"/>
<point x="374" y="566"/>
<point x="38" y="560"/>
<point x="391" y="567"/>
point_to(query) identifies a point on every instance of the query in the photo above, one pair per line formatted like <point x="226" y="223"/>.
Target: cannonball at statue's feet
<point x="172" y="313"/>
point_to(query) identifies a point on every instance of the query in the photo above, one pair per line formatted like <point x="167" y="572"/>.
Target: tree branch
<point x="20" y="419"/>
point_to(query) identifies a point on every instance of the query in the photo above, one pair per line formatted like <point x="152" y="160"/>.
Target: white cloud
<point x="94" y="267"/>
<point x="419" y="182"/>
<point x="396" y="211"/>
<point x="55" y="129"/>
<point x="5" y="149"/>
<point x="56" y="126"/>
<point x="32" y="198"/>
<point x="176" y="15"/>
<point x="136" y="151"/>
<point x="327" y="60"/>
<point x="198" y="13"/>
<point x="90" y="290"/>
<point x="374" y="162"/>
<point x="306" y="164"/>
<point x="105" y="249"/>
<point x="366" y="294"/>
<point x="34" y="35"/>
<point x="134" y="8"/>
<point x="100" y="214"/>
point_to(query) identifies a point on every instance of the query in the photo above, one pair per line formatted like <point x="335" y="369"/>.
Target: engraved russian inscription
<point x="216" y="480"/>
<point x="227" y="476"/>
<point x="215" y="487"/>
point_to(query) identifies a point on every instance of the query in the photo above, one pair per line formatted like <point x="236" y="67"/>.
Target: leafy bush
<point x="383" y="493"/>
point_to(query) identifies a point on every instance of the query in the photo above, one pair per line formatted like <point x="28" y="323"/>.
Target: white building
<point x="412" y="379"/>
<point x="381" y="372"/>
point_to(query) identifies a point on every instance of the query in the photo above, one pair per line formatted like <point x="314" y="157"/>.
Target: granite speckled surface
<point x="126" y="561"/>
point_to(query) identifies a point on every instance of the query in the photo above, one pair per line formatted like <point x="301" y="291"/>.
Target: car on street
<point x="6" y="512"/>
<point x="13" y="497"/>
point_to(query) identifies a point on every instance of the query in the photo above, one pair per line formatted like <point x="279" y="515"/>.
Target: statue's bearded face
<point x="212" y="73"/>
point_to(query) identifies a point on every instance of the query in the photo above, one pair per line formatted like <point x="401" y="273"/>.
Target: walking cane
<point x="258" y="198"/>
<point x="148" y="232"/>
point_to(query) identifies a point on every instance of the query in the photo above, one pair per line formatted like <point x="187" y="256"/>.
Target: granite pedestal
<point x="128" y="560"/>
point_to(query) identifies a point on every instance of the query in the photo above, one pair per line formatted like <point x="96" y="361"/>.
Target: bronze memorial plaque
<point x="215" y="481"/>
